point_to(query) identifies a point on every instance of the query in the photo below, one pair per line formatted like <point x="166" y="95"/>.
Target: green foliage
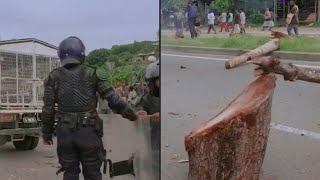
<point x="245" y="42"/>
<point x="257" y="18"/>
<point x="127" y="73"/>
<point x="120" y="54"/>
<point x="221" y="5"/>
<point x="167" y="4"/>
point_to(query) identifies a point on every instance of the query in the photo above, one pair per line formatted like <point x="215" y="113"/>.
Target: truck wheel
<point x="29" y="143"/>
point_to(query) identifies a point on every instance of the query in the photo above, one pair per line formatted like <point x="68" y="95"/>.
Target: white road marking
<point x="296" y="131"/>
<point x="273" y="125"/>
<point x="197" y="57"/>
<point x="224" y="59"/>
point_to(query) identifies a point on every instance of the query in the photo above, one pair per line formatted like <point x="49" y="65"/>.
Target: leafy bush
<point x="256" y="18"/>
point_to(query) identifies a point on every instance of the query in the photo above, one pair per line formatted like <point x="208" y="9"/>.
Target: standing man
<point x="178" y="23"/>
<point x="230" y="21"/>
<point x="192" y="10"/>
<point x="223" y="23"/>
<point x="150" y="103"/>
<point x="267" y="20"/>
<point x="211" y="19"/>
<point x="242" y="21"/>
<point x="293" y="19"/>
<point x="73" y="88"/>
<point x="236" y="27"/>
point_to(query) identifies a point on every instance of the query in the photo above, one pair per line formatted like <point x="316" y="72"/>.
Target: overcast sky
<point x="99" y="23"/>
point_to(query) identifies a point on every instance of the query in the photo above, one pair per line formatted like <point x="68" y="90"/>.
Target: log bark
<point x="278" y="35"/>
<point x="272" y="45"/>
<point x="290" y="72"/>
<point x="232" y="145"/>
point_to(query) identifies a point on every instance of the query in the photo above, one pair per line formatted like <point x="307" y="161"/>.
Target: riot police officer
<point x="150" y="103"/>
<point x="73" y="88"/>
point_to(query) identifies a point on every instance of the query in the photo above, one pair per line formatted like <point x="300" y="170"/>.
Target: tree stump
<point x="272" y="45"/>
<point x="232" y="145"/>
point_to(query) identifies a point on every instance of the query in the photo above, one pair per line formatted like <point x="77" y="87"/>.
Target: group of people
<point x="234" y="22"/>
<point x="230" y="21"/>
<point x="70" y="94"/>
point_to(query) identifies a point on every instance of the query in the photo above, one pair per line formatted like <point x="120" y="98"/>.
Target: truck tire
<point x="29" y="143"/>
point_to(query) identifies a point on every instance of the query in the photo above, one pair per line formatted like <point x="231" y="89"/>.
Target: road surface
<point x="120" y="138"/>
<point x="192" y="95"/>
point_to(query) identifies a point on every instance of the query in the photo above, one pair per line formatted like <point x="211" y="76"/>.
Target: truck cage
<point x="22" y="78"/>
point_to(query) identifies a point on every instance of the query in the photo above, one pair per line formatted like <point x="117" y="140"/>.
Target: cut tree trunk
<point x="290" y="72"/>
<point x="232" y="145"/>
<point x="272" y="45"/>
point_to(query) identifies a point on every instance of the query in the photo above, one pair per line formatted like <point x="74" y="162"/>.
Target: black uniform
<point x="73" y="88"/>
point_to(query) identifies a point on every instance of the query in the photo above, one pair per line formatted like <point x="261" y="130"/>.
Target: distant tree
<point x="221" y="4"/>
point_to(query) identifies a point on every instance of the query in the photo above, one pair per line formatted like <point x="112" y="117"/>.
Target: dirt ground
<point x="121" y="139"/>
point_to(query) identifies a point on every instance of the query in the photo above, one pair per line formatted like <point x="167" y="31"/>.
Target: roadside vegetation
<point x="248" y="42"/>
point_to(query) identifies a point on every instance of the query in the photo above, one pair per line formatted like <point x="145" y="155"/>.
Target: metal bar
<point x="20" y="131"/>
<point x="30" y="54"/>
<point x="17" y="81"/>
<point x="21" y="111"/>
<point x="50" y="68"/>
<point x="22" y="104"/>
<point x="34" y="76"/>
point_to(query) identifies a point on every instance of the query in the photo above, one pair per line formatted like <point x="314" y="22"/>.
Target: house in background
<point x="29" y="46"/>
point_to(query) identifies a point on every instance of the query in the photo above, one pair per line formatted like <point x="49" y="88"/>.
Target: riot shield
<point x="128" y="148"/>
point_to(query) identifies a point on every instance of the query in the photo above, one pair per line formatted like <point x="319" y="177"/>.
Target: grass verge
<point x="248" y="42"/>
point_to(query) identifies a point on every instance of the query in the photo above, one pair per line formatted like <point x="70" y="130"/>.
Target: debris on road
<point x="172" y="113"/>
<point x="183" y="161"/>
<point x="174" y="156"/>
<point x="167" y="145"/>
<point x="183" y="67"/>
<point x="272" y="45"/>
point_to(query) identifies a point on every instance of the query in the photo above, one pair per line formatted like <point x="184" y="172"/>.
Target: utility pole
<point x="318" y="11"/>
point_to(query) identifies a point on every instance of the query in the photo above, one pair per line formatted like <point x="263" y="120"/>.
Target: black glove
<point x="130" y="114"/>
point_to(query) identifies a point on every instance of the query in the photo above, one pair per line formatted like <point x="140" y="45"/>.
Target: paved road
<point x="120" y="138"/>
<point x="204" y="88"/>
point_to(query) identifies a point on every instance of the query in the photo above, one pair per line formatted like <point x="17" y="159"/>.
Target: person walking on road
<point x="223" y="21"/>
<point x="211" y="19"/>
<point x="293" y="19"/>
<point x="192" y="10"/>
<point x="229" y="21"/>
<point x="242" y="21"/>
<point x="267" y="20"/>
<point x="236" y="27"/>
<point x="73" y="88"/>
<point x="178" y="23"/>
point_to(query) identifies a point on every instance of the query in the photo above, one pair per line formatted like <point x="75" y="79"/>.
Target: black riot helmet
<point x="71" y="51"/>
<point x="152" y="74"/>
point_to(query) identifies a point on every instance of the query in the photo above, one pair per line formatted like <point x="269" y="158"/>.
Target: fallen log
<point x="272" y="45"/>
<point x="290" y="72"/>
<point x="278" y="35"/>
<point x="232" y="145"/>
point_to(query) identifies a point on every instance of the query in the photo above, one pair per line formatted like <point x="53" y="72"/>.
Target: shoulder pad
<point x="53" y="74"/>
<point x="90" y="70"/>
<point x="102" y="74"/>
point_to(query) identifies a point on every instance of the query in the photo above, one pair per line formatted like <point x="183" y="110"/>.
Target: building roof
<point x="14" y="41"/>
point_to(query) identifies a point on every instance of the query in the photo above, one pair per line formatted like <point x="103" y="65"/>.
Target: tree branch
<point x="290" y="72"/>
